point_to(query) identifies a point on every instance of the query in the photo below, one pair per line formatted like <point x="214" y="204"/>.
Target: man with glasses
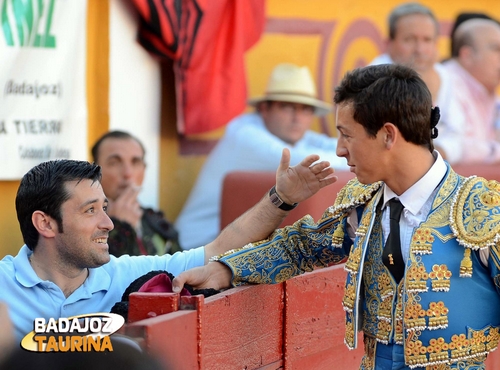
<point x="253" y="142"/>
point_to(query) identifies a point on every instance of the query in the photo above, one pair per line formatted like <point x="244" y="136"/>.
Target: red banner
<point x="207" y="41"/>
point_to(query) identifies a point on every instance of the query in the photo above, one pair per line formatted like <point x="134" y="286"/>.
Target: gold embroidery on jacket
<point x="440" y="278"/>
<point x="466" y="264"/>
<point x="416" y="277"/>
<point x="475" y="218"/>
<point x="352" y="264"/>
<point x="421" y="241"/>
<point x="368" y="360"/>
<point x="349" y="296"/>
<point x="466" y="348"/>
<point x="438" y="315"/>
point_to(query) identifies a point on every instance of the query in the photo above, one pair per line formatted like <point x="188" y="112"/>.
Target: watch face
<point x="276" y="200"/>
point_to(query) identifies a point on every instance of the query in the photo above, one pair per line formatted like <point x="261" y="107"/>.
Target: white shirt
<point x="417" y="202"/>
<point x="480" y="111"/>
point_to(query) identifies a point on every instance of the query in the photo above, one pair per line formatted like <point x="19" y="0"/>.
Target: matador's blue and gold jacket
<point x="446" y="309"/>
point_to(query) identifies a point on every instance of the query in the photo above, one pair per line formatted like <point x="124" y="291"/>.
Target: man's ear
<point x="44" y="224"/>
<point x="465" y="55"/>
<point x="390" y="132"/>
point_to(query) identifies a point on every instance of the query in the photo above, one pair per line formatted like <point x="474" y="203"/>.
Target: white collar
<point x="417" y="195"/>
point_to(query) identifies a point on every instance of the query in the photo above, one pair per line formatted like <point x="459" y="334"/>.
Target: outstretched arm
<point x="293" y="185"/>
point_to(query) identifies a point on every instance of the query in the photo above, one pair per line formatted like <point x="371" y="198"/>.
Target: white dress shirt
<point x="417" y="202"/>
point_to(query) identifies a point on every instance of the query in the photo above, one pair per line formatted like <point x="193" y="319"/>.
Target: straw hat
<point x="291" y="83"/>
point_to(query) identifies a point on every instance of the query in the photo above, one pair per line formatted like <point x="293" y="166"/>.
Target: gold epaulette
<point x="475" y="217"/>
<point x="355" y="193"/>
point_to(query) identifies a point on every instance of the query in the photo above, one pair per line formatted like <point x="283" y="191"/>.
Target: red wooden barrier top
<point x="298" y="324"/>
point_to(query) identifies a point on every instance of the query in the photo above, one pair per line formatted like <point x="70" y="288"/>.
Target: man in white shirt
<point x="413" y="38"/>
<point x="253" y="142"/>
<point x="475" y="70"/>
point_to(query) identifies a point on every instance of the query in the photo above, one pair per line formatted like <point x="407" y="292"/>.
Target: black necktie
<point x="392" y="257"/>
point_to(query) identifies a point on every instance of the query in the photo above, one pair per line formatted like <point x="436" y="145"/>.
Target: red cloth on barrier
<point x="160" y="284"/>
<point x="207" y="41"/>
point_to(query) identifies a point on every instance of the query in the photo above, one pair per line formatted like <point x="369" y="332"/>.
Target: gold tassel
<point x="466" y="264"/>
<point x="338" y="235"/>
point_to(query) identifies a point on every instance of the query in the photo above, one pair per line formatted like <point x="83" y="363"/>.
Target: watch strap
<point x="278" y="202"/>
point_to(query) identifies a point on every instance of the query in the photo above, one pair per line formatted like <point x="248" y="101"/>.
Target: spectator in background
<point x="138" y="230"/>
<point x="461" y="18"/>
<point x="253" y="142"/>
<point x="476" y="73"/>
<point x="413" y="36"/>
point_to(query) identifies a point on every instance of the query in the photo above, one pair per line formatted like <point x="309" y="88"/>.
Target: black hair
<point x="389" y="93"/>
<point x="113" y="135"/>
<point x="43" y="188"/>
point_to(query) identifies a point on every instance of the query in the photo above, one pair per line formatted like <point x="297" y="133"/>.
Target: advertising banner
<point x="43" y="112"/>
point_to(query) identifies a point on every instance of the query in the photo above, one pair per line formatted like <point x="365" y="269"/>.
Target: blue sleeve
<point x="290" y="251"/>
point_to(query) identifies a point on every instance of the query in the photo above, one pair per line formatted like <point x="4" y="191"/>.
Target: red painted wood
<point x="278" y="365"/>
<point x="493" y="360"/>
<point x="488" y="171"/>
<point x="314" y="322"/>
<point x="172" y="338"/>
<point x="242" y="328"/>
<point x="298" y="324"/>
<point x="241" y="190"/>
<point x="145" y="305"/>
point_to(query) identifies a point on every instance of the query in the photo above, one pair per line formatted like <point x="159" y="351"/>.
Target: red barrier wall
<point x="298" y="324"/>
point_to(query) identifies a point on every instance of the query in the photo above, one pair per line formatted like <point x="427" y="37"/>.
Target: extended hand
<point x="213" y="275"/>
<point x="126" y="207"/>
<point x="295" y="184"/>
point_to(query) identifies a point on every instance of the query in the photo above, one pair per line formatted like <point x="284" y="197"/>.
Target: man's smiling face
<point x="83" y="240"/>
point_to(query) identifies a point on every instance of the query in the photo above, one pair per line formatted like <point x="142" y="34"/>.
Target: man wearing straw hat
<point x="254" y="142"/>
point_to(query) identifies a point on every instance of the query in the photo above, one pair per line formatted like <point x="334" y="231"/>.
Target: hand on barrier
<point x="213" y="275"/>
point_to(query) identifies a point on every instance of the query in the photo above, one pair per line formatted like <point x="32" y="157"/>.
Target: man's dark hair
<point x="113" y="135"/>
<point x="389" y="93"/>
<point x="43" y="188"/>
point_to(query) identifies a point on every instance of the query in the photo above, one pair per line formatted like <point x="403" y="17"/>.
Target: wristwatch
<point x="278" y="202"/>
